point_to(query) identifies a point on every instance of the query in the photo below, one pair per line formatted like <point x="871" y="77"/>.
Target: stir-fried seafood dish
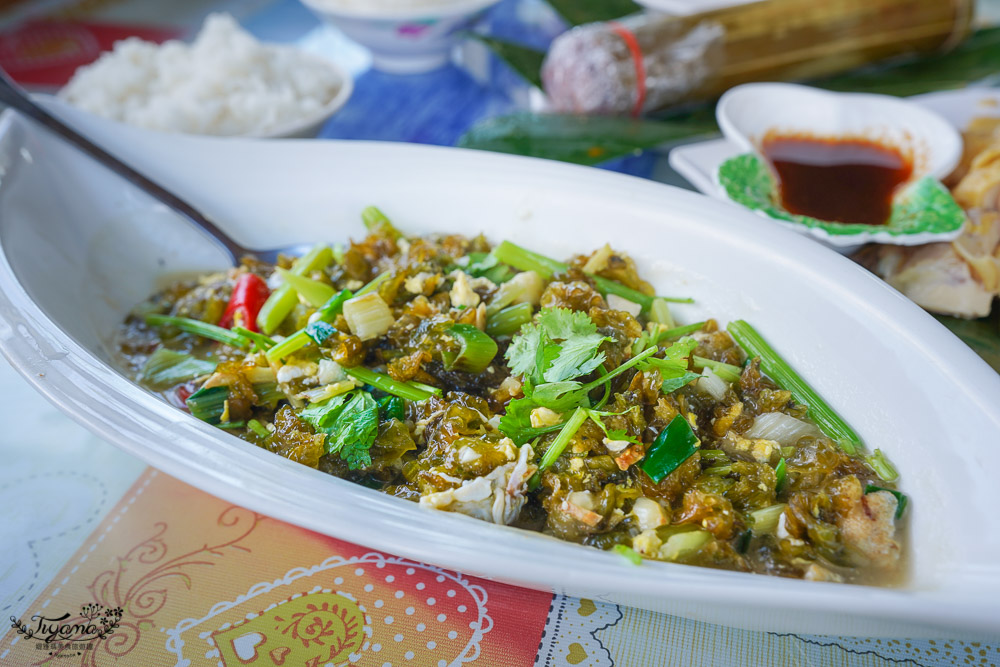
<point x="520" y="390"/>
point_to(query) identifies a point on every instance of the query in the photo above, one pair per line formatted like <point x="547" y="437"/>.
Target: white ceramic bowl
<point x="402" y="40"/>
<point x="78" y="248"/>
<point x="310" y="126"/>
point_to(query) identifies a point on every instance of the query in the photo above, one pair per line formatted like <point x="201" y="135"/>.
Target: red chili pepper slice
<point x="249" y="295"/>
<point x="178" y="398"/>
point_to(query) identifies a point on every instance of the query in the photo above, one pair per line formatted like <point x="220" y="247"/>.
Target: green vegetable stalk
<point x="289" y="346"/>
<point x="387" y="384"/>
<point x="476" y="350"/>
<point x="334" y="306"/>
<point x="628" y="553"/>
<point x="558" y="446"/>
<point x="261" y="342"/>
<point x="166" y="368"/>
<point x="882" y="467"/>
<point x="282" y="300"/>
<point x="258" y="429"/>
<point x="526" y="260"/>
<point x="268" y="393"/>
<point x="727" y="372"/>
<point x="377" y="222"/>
<point x="199" y="328"/>
<point x="778" y="369"/>
<point x="315" y="332"/>
<point x="314" y="292"/>
<point x="208" y="404"/>
<point x="509" y="321"/>
<point x="659" y="311"/>
<point x="766" y="520"/>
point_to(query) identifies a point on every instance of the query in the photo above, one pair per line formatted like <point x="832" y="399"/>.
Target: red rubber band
<point x="640" y="68"/>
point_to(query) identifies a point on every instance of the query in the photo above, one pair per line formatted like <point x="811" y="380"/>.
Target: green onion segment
<point x="526" y="260"/>
<point x="778" y="369"/>
<point x="476" y="350"/>
<point x="199" y="328"/>
<point x="283" y="300"/>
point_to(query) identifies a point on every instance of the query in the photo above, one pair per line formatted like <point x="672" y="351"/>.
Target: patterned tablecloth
<point x="93" y="537"/>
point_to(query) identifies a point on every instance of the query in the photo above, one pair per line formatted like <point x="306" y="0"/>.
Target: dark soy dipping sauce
<point x="841" y="180"/>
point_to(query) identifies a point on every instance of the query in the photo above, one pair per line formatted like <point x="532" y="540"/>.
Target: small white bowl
<point x="403" y="40"/>
<point x="746" y="113"/>
<point x="924" y="211"/>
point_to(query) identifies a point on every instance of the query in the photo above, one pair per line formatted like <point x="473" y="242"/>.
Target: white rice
<point x="224" y="83"/>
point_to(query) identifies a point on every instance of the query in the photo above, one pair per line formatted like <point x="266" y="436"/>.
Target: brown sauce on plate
<point x="841" y="180"/>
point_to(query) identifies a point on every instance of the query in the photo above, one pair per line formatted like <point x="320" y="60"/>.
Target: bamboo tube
<point x="650" y="61"/>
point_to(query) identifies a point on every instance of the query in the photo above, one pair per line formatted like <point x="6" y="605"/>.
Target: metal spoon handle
<point x="12" y="95"/>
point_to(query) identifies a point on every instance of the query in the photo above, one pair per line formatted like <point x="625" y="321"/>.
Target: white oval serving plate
<point x="79" y="247"/>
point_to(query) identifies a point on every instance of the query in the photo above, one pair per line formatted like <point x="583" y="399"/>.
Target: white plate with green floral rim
<point x="707" y="164"/>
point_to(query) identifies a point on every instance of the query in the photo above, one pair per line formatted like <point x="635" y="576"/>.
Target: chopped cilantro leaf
<point x="674" y="366"/>
<point x="554" y="393"/>
<point x="322" y="415"/>
<point x="516" y="424"/>
<point x="577" y="356"/>
<point x="564" y="324"/>
<point x="562" y="345"/>
<point x="673" y="382"/>
<point x="350" y="422"/>
<point x="354" y="431"/>
<point x="682" y="349"/>
<point x="614" y="434"/>
<point x="621" y="434"/>
<point x="523" y="351"/>
<point x="564" y="396"/>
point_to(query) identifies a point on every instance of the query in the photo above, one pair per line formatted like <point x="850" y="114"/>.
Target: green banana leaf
<point x="587" y="140"/>
<point x="578" y="12"/>
<point x="522" y="59"/>
<point x="975" y="59"/>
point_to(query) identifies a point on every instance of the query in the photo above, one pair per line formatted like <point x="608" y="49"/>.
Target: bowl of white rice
<point x="404" y="36"/>
<point x="224" y="83"/>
